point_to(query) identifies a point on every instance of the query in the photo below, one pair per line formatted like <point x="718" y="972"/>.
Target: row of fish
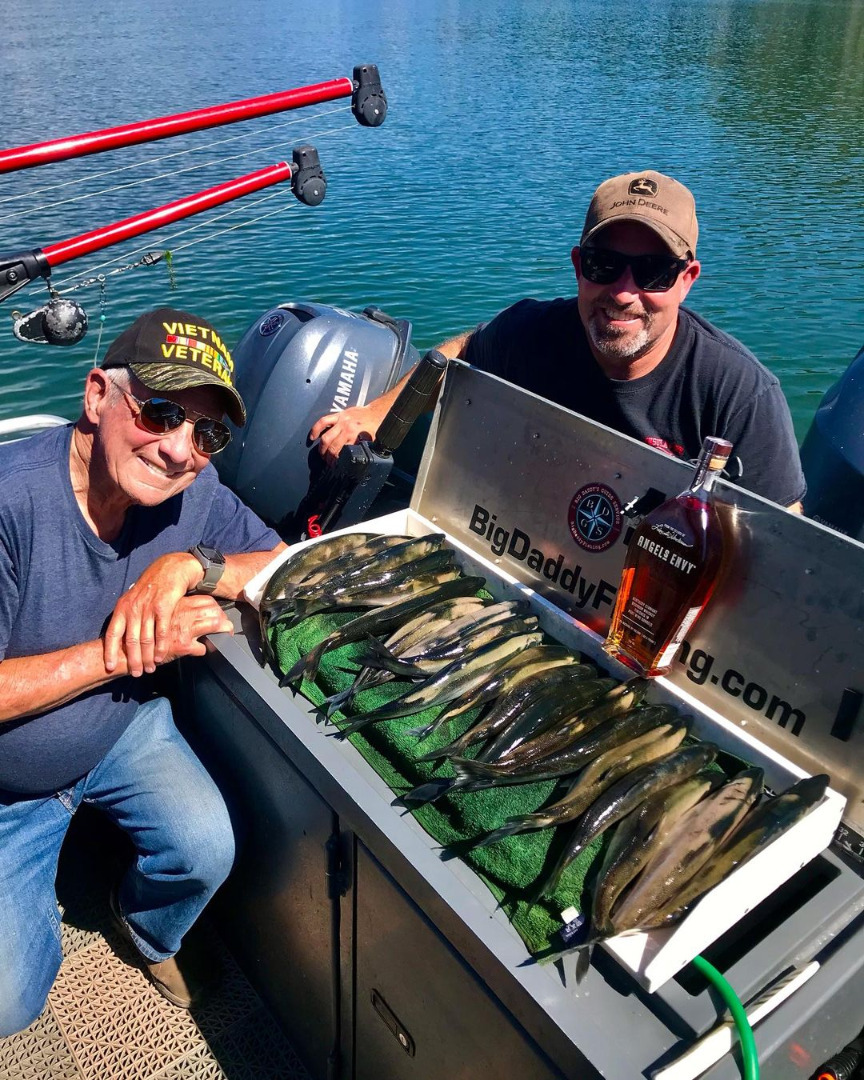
<point x="678" y="824"/>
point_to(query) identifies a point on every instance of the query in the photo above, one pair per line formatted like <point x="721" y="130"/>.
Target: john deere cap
<point x="170" y="350"/>
<point x="652" y="199"/>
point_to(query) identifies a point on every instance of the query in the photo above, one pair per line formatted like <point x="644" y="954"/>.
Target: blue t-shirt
<point x="59" y="584"/>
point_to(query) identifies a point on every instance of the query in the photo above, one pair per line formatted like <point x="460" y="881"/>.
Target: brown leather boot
<point x="186" y="978"/>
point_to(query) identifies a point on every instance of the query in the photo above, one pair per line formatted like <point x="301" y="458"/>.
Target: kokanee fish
<point x="334" y="576"/>
<point x="527" y="731"/>
<point x="532" y="692"/>
<point x="428" y="623"/>
<point x="375" y="587"/>
<point x="634" y="841"/>
<point x="468" y="623"/>
<point x="638" y="837"/>
<point x="431" y="655"/>
<point x="536" y="658"/>
<point x="532" y="737"/>
<point x="687" y="847"/>
<point x="357" y="555"/>
<point x="378" y="621"/>
<point x="297" y="563"/>
<point x="754" y="832"/>
<point x="424" y="666"/>
<point x="595" y="755"/>
<point x="479" y="774"/>
<point x="461" y="677"/>
<point x="294" y="566"/>
<point x="625" y="795"/>
<point x="652" y="743"/>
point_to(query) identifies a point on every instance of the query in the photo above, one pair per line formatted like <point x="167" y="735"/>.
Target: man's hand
<point x="194" y="617"/>
<point x="339" y="429"/>
<point x="142" y="620"/>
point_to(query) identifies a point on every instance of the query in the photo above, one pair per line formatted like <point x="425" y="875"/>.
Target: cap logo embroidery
<point x="642" y="185"/>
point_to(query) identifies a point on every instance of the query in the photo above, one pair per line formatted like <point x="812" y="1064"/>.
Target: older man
<point x="115" y="537"/>
<point x="625" y="352"/>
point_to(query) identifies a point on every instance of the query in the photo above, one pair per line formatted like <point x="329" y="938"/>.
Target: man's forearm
<point x="35" y="684"/>
<point x="241" y="568"/>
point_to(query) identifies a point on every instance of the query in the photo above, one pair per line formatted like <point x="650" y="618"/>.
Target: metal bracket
<point x="20" y="269"/>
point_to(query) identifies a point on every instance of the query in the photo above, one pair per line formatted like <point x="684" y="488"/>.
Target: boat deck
<point x="105" y="1021"/>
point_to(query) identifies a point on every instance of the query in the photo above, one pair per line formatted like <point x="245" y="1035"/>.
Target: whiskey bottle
<point x="670" y="571"/>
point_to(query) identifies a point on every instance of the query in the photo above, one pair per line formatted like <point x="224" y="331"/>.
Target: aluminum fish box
<point x="383" y="959"/>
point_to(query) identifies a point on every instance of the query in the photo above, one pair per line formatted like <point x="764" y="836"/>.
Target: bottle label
<point x="666" y="554"/>
<point x="666" y="657"/>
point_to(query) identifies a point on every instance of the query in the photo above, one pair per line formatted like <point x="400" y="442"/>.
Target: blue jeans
<point x="152" y="786"/>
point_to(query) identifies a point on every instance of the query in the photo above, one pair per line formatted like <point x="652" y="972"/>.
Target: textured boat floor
<point x="104" y="1020"/>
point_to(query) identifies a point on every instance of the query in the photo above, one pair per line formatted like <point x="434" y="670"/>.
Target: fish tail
<point x="429" y="792"/>
<point x="440" y="754"/>
<point x="423" y="731"/>
<point x="305" y="668"/>
<point x="474" y="770"/>
<point x="509" y="828"/>
<point x="583" y="961"/>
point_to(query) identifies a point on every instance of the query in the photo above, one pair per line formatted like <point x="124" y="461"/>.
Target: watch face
<point x="212" y="554"/>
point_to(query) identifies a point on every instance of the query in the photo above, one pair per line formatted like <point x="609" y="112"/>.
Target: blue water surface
<point x="504" y="116"/>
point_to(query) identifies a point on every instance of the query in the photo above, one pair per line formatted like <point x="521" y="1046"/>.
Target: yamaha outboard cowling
<point x="833" y="455"/>
<point x="296" y="363"/>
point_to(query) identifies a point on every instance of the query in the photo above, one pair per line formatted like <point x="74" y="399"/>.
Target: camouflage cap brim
<point x="168" y="377"/>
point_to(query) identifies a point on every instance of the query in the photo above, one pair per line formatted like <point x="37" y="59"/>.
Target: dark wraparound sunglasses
<point x="159" y="416"/>
<point x="652" y="273"/>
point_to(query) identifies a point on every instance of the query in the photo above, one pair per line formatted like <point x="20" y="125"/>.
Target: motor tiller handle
<point x="410" y="403"/>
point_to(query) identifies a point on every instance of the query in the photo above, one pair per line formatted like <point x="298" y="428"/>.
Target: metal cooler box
<point x="382" y="959"/>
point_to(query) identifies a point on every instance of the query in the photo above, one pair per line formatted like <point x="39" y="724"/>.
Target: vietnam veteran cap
<point x="662" y="204"/>
<point x="170" y="350"/>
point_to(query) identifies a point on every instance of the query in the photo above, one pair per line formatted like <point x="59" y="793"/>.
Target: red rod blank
<point x="94" y="142"/>
<point x="89" y="242"/>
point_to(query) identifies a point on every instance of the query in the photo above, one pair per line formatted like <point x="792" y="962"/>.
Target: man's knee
<point x="203" y="847"/>
<point x="24" y="989"/>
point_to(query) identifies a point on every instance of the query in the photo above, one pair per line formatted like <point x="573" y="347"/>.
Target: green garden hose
<point x="749" y="1056"/>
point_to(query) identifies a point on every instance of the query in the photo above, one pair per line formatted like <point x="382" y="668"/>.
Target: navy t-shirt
<point x="59" y="584"/>
<point x="707" y="384"/>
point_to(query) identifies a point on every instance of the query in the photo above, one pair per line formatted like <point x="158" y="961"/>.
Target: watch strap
<point x="213" y="568"/>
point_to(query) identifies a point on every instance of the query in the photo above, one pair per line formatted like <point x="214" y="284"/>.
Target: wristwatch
<point x="213" y="562"/>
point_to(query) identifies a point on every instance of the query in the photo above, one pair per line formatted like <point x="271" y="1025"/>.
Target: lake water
<point x="503" y="118"/>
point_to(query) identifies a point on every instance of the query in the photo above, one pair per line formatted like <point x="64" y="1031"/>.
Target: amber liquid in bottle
<point x="670" y="571"/>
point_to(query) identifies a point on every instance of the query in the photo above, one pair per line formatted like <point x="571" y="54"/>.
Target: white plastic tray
<point x="655" y="957"/>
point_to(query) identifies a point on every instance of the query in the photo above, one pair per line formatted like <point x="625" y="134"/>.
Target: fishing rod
<point x="368" y="104"/>
<point x="64" y="322"/>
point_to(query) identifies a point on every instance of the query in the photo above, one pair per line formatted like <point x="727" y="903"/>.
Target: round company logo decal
<point x="595" y="517"/>
<point x="271" y="324"/>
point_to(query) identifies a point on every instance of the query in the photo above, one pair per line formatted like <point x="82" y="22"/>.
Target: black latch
<point x="392" y="1021"/>
<point x="368" y="102"/>
<point x="338" y="881"/>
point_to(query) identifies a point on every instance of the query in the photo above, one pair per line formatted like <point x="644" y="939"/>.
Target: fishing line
<point x="67" y="288"/>
<point x="161" y="176"/>
<point x="166" y="157"/>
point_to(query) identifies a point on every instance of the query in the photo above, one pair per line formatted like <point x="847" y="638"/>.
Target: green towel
<point x="509" y="867"/>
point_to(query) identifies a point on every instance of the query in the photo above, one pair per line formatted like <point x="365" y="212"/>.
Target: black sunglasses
<point x="159" y="416"/>
<point x="652" y="273"/>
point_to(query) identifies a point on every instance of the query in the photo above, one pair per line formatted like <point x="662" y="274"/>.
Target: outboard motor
<point x="296" y="363"/>
<point x="833" y="455"/>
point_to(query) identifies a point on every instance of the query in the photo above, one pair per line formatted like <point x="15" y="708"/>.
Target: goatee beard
<point x="618" y="345"/>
